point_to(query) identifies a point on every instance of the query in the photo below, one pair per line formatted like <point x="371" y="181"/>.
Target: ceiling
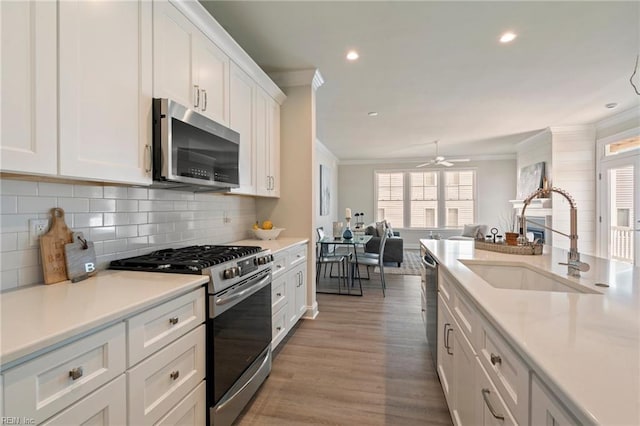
<point x="435" y="70"/>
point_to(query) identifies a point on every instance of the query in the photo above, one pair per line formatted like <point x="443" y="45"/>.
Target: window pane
<point x="424" y="199"/>
<point x="424" y="214"/>
<point x="459" y="192"/>
<point x="391" y="198"/>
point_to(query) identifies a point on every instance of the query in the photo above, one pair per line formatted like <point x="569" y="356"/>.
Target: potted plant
<point x="509" y="227"/>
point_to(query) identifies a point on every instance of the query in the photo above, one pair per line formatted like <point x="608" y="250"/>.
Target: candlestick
<point x="348" y="213"/>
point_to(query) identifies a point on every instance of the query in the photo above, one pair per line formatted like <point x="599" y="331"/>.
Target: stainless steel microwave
<point x="191" y="151"/>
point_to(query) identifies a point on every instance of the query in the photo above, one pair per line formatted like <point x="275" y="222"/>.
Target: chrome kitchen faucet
<point x="574" y="265"/>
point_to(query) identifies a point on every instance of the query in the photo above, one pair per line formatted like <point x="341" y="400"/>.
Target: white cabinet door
<point x="274" y="146"/>
<point x="211" y="74"/>
<point x="105" y="63"/>
<point x="301" y="293"/>
<point x="172" y="48"/>
<point x="263" y="175"/>
<point x="464" y="384"/>
<point x="28" y="105"/>
<point x="490" y="407"/>
<point x="545" y="408"/>
<point x="242" y="120"/>
<point x="191" y="411"/>
<point x="105" y="407"/>
<point x="445" y="350"/>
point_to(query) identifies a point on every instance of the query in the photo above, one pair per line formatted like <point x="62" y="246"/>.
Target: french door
<point x="619" y="220"/>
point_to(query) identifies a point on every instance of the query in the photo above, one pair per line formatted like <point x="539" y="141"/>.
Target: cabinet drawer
<point x="191" y="411"/>
<point x="278" y="293"/>
<point x="545" y="408"/>
<point x="466" y="316"/>
<point x="278" y="326"/>
<point x="507" y="371"/>
<point x="106" y="406"/>
<point x="445" y="287"/>
<point x="156" y="327"/>
<point x="489" y="405"/>
<point x="161" y="381"/>
<point x="45" y="385"/>
<point x="297" y="254"/>
<point x="279" y="264"/>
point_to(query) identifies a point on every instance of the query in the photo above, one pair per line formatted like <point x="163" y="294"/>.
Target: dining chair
<point x="324" y="257"/>
<point x="368" y="261"/>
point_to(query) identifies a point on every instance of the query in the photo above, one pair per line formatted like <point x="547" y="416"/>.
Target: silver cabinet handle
<point x="495" y="359"/>
<point x="174" y="320"/>
<point x="174" y="374"/>
<point x="147" y="151"/>
<point x="204" y="100"/>
<point x="196" y="96"/>
<point x="76" y="373"/>
<point x="449" y="347"/>
<point x="485" y="396"/>
<point x="273" y="183"/>
<point x="268" y="183"/>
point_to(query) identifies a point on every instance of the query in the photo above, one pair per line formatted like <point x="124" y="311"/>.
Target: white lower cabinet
<point x="490" y="407"/>
<point x="86" y="381"/>
<point x="106" y="406"/>
<point x="445" y="353"/>
<point x="464" y="385"/>
<point x="289" y="290"/>
<point x="546" y="410"/>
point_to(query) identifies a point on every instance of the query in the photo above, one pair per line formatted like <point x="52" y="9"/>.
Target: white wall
<point x="326" y="158"/>
<point x="121" y="221"/>
<point x="496" y="181"/>
<point x="534" y="150"/>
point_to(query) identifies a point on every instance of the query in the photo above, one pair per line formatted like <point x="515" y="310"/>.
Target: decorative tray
<point x="504" y="248"/>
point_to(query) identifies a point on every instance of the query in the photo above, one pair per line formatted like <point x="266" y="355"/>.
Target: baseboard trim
<point x="311" y="312"/>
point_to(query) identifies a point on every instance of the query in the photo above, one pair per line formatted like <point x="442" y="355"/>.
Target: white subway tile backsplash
<point x="127" y="205"/>
<point x="127" y="231"/>
<point x="9" y="241"/>
<point x="87" y="220"/>
<point x="101" y="205"/>
<point x="137" y="193"/>
<point x="36" y="204"/>
<point x="18" y="187"/>
<point x="115" y="192"/>
<point x="54" y="189"/>
<point x="102" y="233"/>
<point x="74" y="205"/>
<point x="9" y="279"/>
<point x="135" y="221"/>
<point x="9" y="204"/>
<point x="87" y="191"/>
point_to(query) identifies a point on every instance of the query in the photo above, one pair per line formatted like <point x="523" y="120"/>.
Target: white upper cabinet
<point x="268" y="144"/>
<point x="211" y="70"/>
<point x="188" y="67"/>
<point x="105" y="63"/>
<point x="28" y="105"/>
<point x="242" y="120"/>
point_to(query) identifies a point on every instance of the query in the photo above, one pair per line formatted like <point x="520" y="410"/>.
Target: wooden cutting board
<point x="80" y="258"/>
<point x="52" y="248"/>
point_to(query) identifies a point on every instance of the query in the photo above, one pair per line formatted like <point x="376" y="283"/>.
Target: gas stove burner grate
<point x="190" y="259"/>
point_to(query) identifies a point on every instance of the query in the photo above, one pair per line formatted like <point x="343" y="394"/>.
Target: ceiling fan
<point x="439" y="160"/>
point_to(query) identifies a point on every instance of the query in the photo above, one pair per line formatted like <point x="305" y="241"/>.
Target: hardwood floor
<point x="363" y="361"/>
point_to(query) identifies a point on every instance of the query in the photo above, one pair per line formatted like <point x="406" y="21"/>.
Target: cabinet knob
<point x="278" y="328"/>
<point x="279" y="294"/>
<point x="174" y="320"/>
<point x="175" y="374"/>
<point x="76" y="373"/>
<point x="495" y="359"/>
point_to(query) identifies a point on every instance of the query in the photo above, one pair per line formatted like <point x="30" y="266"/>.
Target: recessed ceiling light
<point x="372" y="114"/>
<point x="352" y="55"/>
<point x="612" y="105"/>
<point x="508" y="37"/>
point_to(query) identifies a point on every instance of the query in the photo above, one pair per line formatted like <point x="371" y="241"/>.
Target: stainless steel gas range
<point x="239" y="317"/>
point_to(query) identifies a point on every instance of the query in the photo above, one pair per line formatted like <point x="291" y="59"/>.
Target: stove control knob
<point x="270" y="258"/>
<point x="261" y="261"/>
<point x="228" y="273"/>
<point x="255" y="260"/>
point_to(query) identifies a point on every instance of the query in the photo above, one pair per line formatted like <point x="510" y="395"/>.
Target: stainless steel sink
<point x="523" y="277"/>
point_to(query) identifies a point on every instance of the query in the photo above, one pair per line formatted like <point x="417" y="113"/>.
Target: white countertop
<point x="36" y="317"/>
<point x="585" y="347"/>
<point x="273" y="245"/>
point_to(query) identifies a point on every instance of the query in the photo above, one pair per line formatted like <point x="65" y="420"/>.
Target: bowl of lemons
<point x="267" y="231"/>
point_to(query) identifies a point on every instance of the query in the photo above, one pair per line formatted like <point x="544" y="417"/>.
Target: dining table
<point x="351" y="244"/>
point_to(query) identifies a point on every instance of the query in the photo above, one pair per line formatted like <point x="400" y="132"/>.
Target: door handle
<point x="204" y="100"/>
<point x="196" y="96"/>
<point x="449" y="347"/>
<point x="485" y="396"/>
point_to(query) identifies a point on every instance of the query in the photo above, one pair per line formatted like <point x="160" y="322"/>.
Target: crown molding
<point x="621" y="117"/>
<point x="310" y="77"/>
<point x="488" y="157"/>
<point x="540" y="134"/>
<point x="322" y="147"/>
<point x="577" y="129"/>
<point x="201" y="18"/>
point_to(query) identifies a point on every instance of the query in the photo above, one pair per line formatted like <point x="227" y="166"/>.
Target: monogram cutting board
<point x="80" y="256"/>
<point x="52" y="248"/>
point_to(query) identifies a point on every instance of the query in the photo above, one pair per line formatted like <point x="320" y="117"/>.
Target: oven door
<point x="240" y="330"/>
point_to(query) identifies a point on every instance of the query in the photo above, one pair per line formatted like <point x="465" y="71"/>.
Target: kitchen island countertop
<point x="585" y="347"/>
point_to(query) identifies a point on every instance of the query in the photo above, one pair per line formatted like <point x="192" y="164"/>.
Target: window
<point x="429" y="199"/>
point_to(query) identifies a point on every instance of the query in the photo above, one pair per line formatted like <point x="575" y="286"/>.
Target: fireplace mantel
<point x="539" y="207"/>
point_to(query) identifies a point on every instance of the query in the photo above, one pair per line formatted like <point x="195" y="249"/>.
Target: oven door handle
<point x="228" y="298"/>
